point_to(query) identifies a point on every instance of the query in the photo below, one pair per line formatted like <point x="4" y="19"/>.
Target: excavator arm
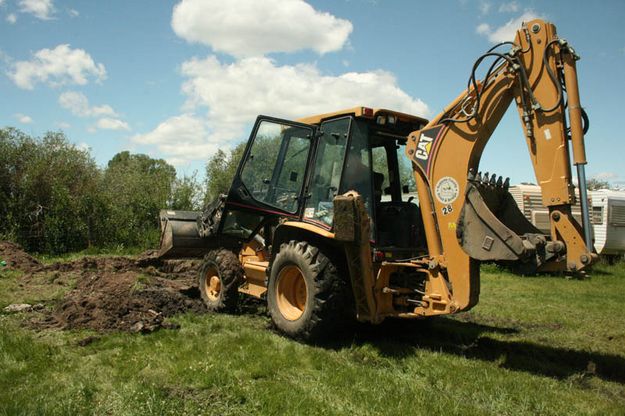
<point x="471" y="217"/>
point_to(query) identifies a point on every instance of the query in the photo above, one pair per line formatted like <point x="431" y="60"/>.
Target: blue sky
<point x="181" y="79"/>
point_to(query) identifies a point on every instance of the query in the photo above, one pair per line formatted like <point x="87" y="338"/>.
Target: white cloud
<point x="253" y="28"/>
<point x="483" y="29"/>
<point x="11" y="18"/>
<point x="73" y="13"/>
<point x="111" y="124"/>
<point x="63" y="125"/>
<point x="59" y="66"/>
<point x="41" y="9"/>
<point x="605" y="176"/>
<point x="507" y="31"/>
<point x="511" y="7"/>
<point x="234" y="94"/>
<point x="78" y="104"/>
<point x="484" y="7"/>
<point x="23" y="118"/>
<point x="182" y="138"/>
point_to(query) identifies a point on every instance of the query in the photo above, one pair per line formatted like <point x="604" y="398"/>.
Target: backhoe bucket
<point x="179" y="235"/>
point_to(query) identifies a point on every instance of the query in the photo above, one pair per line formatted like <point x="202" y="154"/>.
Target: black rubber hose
<point x="553" y="78"/>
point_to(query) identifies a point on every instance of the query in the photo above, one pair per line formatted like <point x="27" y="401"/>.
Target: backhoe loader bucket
<point x="179" y="235"/>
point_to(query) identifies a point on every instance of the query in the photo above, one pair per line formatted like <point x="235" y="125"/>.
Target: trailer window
<point x="597" y="215"/>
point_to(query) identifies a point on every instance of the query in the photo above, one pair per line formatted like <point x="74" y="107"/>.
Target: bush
<point x="49" y="192"/>
<point x="54" y="199"/>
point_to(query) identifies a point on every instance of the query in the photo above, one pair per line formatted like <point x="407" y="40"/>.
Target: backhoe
<point x="372" y="213"/>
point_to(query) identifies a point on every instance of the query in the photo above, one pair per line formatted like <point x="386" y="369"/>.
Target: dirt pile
<point x="107" y="293"/>
<point x="17" y="259"/>
<point x="127" y="301"/>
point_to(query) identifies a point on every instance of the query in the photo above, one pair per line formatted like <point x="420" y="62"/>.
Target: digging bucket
<point x="179" y="235"/>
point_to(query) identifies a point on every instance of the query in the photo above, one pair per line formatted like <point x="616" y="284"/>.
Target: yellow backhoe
<point x="371" y="213"/>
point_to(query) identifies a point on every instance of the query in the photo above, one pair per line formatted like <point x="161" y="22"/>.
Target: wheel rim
<point x="291" y="293"/>
<point x="212" y="284"/>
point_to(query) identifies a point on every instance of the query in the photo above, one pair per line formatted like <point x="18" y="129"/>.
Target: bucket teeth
<point x="487" y="179"/>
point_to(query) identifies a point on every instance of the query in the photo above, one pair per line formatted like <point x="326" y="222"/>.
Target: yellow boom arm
<point x="468" y="217"/>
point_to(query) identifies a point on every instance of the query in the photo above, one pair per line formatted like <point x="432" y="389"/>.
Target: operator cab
<point x="294" y="170"/>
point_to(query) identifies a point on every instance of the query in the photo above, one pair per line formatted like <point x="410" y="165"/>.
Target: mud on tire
<point x="307" y="297"/>
<point x="219" y="278"/>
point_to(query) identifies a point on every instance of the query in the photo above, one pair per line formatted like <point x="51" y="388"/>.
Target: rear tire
<point x="220" y="276"/>
<point x="306" y="296"/>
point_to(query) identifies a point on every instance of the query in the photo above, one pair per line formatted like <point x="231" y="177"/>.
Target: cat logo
<point x="423" y="147"/>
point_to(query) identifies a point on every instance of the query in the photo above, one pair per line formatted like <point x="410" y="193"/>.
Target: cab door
<point x="327" y="174"/>
<point x="271" y="175"/>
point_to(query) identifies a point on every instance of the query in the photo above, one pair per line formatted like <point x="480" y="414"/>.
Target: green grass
<point x="534" y="345"/>
<point x="119" y="250"/>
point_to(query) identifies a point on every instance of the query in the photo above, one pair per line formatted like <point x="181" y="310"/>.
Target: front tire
<point x="306" y="295"/>
<point x="220" y="276"/>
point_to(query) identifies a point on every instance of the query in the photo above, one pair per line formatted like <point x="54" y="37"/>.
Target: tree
<point x="186" y="194"/>
<point x="136" y="188"/>
<point x="49" y="197"/>
<point x="220" y="170"/>
<point x="594" y="184"/>
<point x="55" y="199"/>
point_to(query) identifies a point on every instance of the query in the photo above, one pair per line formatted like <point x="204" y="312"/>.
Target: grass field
<point x="533" y="345"/>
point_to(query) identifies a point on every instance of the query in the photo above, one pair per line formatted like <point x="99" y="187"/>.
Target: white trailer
<point x="608" y="218"/>
<point x="529" y="199"/>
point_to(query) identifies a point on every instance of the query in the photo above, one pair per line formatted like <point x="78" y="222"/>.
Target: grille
<point x="617" y="215"/>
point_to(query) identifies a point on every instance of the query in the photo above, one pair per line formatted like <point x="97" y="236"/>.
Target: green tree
<point x="136" y="188"/>
<point x="186" y="194"/>
<point x="593" y="184"/>
<point x="220" y="170"/>
<point x="48" y="192"/>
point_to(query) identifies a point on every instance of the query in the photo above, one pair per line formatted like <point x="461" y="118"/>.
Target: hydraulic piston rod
<point x="577" y="138"/>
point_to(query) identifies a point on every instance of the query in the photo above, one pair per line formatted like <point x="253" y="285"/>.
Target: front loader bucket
<point x="179" y="235"/>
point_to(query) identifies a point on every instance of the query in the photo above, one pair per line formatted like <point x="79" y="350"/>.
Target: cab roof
<point x="377" y="114"/>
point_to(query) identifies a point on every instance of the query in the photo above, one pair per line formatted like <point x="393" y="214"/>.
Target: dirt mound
<point x="107" y="292"/>
<point x="17" y="259"/>
<point x="127" y="301"/>
<point x="119" y="264"/>
<point x="112" y="264"/>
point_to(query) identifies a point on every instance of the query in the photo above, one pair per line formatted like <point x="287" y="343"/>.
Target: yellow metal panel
<point x="360" y="112"/>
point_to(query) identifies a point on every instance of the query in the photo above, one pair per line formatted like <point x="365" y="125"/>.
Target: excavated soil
<point x="17" y="259"/>
<point x="108" y="293"/>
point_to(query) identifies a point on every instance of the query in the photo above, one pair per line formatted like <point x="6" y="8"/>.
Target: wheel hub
<point x="212" y="284"/>
<point x="291" y="293"/>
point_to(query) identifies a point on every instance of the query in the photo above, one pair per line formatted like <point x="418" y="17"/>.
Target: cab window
<point x="275" y="167"/>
